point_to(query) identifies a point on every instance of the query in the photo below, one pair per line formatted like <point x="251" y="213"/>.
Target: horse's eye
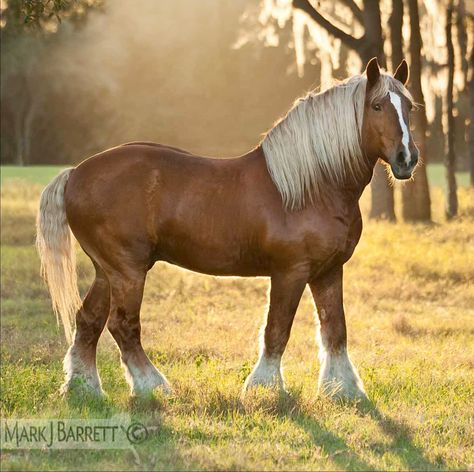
<point x="377" y="107"/>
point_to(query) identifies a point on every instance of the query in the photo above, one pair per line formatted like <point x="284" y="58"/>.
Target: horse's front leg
<point x="338" y="377"/>
<point x="285" y="294"/>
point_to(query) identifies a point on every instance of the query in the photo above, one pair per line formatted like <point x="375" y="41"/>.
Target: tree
<point x="451" y="190"/>
<point x="464" y="21"/>
<point x="25" y="15"/>
<point x="369" y="45"/>
<point x="416" y="203"/>
<point x="471" y="125"/>
<point x="28" y="28"/>
<point x="395" y="23"/>
<point x="21" y="103"/>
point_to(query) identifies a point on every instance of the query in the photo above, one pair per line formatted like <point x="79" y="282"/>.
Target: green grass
<point x="409" y="299"/>
<point x="33" y="174"/>
<point x="436" y="176"/>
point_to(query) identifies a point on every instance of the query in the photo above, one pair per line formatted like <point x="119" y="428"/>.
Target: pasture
<point x="409" y="298"/>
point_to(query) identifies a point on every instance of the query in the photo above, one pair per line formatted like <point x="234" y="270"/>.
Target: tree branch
<point x="347" y="39"/>
<point x="356" y="11"/>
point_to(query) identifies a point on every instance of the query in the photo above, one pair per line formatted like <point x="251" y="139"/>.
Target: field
<point x="409" y="297"/>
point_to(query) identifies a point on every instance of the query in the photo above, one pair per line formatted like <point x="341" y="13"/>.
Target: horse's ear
<point x="373" y="72"/>
<point x="402" y="73"/>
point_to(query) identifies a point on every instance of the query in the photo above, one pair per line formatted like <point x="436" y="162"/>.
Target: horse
<point x="287" y="210"/>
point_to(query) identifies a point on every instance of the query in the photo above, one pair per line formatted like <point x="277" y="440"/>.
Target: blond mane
<point x="318" y="143"/>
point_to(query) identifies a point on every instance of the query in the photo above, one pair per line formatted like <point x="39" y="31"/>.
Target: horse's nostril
<point x="401" y="158"/>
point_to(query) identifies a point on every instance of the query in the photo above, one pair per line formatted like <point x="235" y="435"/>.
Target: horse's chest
<point x="334" y="242"/>
<point x="352" y="238"/>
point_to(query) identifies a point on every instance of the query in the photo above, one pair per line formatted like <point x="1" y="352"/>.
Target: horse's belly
<point x="213" y="249"/>
<point x="213" y="260"/>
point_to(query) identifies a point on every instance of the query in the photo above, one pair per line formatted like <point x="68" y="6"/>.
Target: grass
<point x="409" y="298"/>
<point x="32" y="174"/>
<point x="436" y="176"/>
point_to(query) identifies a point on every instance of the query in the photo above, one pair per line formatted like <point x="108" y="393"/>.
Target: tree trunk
<point x="461" y="30"/>
<point x="471" y="125"/>
<point x="396" y="39"/>
<point x="451" y="190"/>
<point x="382" y="199"/>
<point x="19" y="150"/>
<point x="373" y="37"/>
<point x="368" y="46"/>
<point x="28" y="132"/>
<point x="416" y="203"/>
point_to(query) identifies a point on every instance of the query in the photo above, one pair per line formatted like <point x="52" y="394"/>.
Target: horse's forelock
<point x="386" y="84"/>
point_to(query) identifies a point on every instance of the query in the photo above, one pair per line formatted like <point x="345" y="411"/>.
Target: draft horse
<point x="288" y="210"/>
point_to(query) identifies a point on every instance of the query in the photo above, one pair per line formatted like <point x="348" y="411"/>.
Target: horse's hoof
<point x="163" y="388"/>
<point x="338" y="391"/>
<point x="274" y="382"/>
<point x="267" y="373"/>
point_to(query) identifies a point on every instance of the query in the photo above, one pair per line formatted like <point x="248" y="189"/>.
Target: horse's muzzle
<point x="403" y="165"/>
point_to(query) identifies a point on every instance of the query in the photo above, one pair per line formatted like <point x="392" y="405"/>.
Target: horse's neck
<point x="347" y="194"/>
<point x="350" y="193"/>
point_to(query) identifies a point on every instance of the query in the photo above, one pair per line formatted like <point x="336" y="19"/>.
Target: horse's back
<point x="164" y="201"/>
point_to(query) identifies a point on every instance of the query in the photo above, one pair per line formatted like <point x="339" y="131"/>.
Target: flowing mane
<point x="318" y="143"/>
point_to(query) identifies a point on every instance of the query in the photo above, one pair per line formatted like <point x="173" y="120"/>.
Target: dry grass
<point x="409" y="296"/>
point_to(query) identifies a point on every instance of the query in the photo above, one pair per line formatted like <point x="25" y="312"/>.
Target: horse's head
<point x="386" y="128"/>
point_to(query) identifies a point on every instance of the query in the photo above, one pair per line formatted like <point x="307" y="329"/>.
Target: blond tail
<point x="55" y="244"/>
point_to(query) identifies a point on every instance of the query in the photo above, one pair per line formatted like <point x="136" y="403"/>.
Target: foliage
<point x="409" y="301"/>
<point x="81" y="90"/>
<point x="22" y="16"/>
<point x="311" y="42"/>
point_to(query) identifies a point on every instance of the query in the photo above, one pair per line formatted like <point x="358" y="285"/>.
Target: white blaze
<point x="397" y="103"/>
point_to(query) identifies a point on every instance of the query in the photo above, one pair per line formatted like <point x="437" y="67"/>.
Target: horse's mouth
<point x="402" y="173"/>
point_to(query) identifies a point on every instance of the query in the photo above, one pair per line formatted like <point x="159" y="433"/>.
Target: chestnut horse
<point x="287" y="210"/>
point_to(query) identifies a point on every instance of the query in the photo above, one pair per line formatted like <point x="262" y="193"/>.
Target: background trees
<point x="119" y="74"/>
<point x="357" y="28"/>
<point x="108" y="73"/>
<point x="451" y="196"/>
<point x="34" y="79"/>
<point x="416" y="204"/>
<point x="368" y="45"/>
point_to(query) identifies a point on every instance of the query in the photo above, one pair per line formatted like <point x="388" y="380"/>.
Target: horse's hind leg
<point x="80" y="361"/>
<point x="124" y="325"/>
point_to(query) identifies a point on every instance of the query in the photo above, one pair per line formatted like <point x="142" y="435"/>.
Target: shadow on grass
<point x="289" y="406"/>
<point x="402" y="444"/>
<point x="333" y="445"/>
